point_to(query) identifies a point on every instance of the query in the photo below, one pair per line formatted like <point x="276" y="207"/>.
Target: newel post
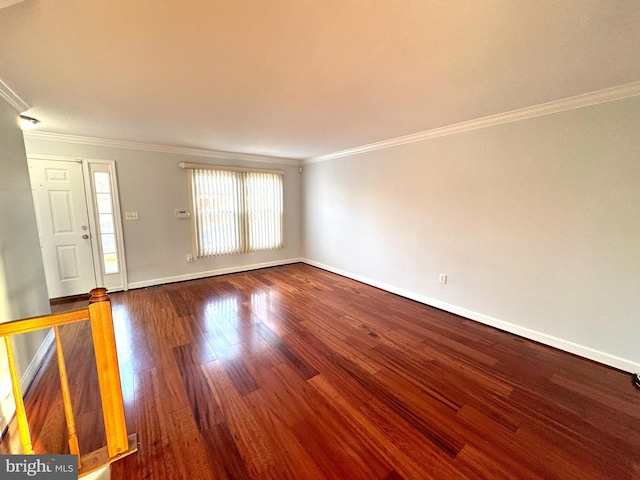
<point x="104" y="344"/>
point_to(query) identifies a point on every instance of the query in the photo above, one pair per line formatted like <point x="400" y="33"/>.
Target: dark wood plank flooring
<point x="294" y="372"/>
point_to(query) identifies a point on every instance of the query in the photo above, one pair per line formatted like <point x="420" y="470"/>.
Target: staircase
<point x="98" y="314"/>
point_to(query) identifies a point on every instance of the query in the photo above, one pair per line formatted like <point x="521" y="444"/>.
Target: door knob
<point x="85" y="236"/>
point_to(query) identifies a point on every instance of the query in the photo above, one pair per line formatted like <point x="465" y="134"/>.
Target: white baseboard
<point x="565" y="345"/>
<point x="211" y="273"/>
<point x="27" y="377"/>
<point x="103" y="474"/>
<point x="37" y="361"/>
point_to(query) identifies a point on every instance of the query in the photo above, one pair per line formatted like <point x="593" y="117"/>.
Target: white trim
<point x="93" y="224"/>
<point x="12" y="98"/>
<point x="89" y="197"/>
<point x="28" y="376"/>
<point x="8" y="3"/>
<point x="196" y="152"/>
<point x="117" y="217"/>
<point x="38" y="360"/>
<point x="570" y="103"/>
<point x="565" y="345"/>
<point x="592" y="98"/>
<point x="57" y="158"/>
<point x="212" y="273"/>
<point x="102" y="474"/>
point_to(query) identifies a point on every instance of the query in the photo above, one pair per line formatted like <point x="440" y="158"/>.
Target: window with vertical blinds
<point x="235" y="210"/>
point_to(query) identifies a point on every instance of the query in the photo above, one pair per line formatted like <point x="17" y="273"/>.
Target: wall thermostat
<point x="183" y="214"/>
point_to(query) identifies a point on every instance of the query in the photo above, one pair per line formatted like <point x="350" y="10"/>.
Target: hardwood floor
<point x="294" y="372"/>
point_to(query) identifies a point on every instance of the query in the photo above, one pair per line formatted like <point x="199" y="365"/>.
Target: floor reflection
<point x="126" y="353"/>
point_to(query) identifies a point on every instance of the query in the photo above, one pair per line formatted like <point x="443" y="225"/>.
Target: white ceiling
<point x="301" y="78"/>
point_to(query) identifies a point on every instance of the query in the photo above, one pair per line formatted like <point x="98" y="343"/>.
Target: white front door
<point x="63" y="225"/>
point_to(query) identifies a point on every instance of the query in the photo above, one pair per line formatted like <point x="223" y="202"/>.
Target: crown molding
<point x="8" y="3"/>
<point x="570" y="103"/>
<point x="12" y="98"/>
<point x="149" y="147"/>
<point x="592" y="98"/>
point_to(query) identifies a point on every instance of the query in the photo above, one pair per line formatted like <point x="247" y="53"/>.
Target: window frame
<point x="243" y="221"/>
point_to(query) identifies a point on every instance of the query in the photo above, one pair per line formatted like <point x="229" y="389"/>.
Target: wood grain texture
<point x="294" y="372"/>
<point x="104" y="346"/>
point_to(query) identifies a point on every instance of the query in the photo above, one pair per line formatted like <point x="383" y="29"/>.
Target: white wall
<point x="151" y="184"/>
<point x="23" y="290"/>
<point x="535" y="222"/>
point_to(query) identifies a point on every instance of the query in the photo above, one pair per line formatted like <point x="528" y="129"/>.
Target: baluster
<point x="21" y="414"/>
<point x="74" y="449"/>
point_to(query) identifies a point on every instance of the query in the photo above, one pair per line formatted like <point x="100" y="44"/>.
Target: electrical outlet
<point x="189" y="258"/>
<point x="443" y="278"/>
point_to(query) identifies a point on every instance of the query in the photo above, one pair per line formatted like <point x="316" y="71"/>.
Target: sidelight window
<point x="106" y="222"/>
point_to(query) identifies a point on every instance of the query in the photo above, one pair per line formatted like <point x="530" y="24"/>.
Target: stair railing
<point x="99" y="315"/>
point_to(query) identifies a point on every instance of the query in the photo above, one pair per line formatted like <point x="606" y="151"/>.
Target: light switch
<point x="131" y="215"/>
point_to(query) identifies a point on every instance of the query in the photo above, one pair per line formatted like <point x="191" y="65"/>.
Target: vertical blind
<point x="236" y="211"/>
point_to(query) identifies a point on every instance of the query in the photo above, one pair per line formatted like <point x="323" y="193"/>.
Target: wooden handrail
<point x="102" y="331"/>
<point x="27" y="325"/>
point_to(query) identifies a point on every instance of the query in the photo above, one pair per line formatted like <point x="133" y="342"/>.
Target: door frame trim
<point x="89" y="198"/>
<point x="117" y="217"/>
